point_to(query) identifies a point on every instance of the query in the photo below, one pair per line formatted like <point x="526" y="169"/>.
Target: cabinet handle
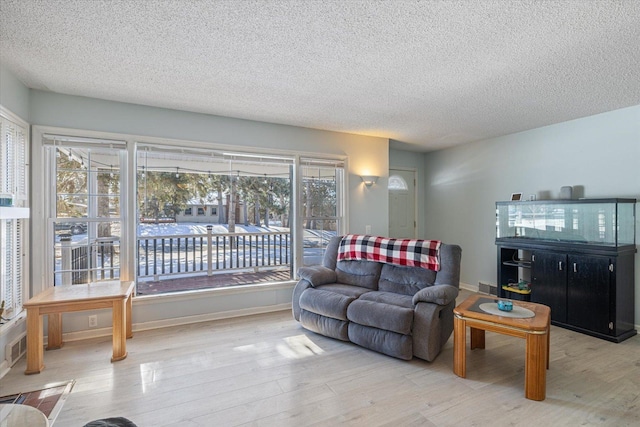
<point x="560" y="265"/>
<point x="575" y="267"/>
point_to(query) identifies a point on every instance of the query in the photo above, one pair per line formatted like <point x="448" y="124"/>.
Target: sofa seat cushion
<point x="389" y="298"/>
<point x="325" y="303"/>
<point x="380" y="315"/>
<point x="385" y="342"/>
<point x="326" y="326"/>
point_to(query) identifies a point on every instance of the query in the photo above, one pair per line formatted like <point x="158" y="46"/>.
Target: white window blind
<point x="13" y="222"/>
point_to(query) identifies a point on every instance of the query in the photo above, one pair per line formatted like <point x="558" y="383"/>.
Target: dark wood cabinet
<point x="588" y="291"/>
<point x="589" y="288"/>
<point x="549" y="282"/>
<point x="577" y="255"/>
<point x="576" y="287"/>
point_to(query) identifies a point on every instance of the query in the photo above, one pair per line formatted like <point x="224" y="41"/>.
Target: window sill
<point x="10" y="212"/>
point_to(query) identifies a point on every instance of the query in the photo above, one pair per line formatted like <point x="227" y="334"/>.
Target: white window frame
<point x="14" y="223"/>
<point x="91" y="219"/>
<point x="341" y="197"/>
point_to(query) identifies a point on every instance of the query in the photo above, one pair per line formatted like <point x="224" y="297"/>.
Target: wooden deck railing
<point x="206" y="253"/>
<point x="171" y="255"/>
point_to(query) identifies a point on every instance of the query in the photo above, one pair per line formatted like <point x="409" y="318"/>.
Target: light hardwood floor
<point x="266" y="370"/>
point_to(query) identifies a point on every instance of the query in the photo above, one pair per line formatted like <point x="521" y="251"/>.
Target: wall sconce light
<point x="369" y="180"/>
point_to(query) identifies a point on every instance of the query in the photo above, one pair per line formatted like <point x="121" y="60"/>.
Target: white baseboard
<point x="210" y="316"/>
<point x="178" y="321"/>
<point x="468" y="287"/>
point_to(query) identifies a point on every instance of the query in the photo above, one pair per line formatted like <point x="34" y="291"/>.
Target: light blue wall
<point x="14" y="96"/>
<point x="600" y="153"/>
<point x="367" y="155"/>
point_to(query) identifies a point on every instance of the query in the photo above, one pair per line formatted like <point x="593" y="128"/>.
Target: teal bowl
<point x="505" y="305"/>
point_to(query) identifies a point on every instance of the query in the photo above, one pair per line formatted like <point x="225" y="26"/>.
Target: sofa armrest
<point x="317" y="275"/>
<point x="437" y="294"/>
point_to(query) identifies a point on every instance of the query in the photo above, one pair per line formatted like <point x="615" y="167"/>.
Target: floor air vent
<point x="486" y="288"/>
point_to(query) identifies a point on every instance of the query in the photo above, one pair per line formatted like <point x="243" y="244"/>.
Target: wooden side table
<point x="63" y="299"/>
<point x="535" y="330"/>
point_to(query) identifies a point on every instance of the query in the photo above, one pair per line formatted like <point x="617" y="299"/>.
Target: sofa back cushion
<point x="359" y="273"/>
<point x="405" y="280"/>
<point x="399" y="279"/>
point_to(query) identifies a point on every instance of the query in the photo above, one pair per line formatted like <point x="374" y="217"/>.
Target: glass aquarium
<point x="605" y="222"/>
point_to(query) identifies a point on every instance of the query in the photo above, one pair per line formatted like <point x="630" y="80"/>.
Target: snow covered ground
<point x="145" y="230"/>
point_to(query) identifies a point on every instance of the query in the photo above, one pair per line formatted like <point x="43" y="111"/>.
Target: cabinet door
<point x="549" y="283"/>
<point x="589" y="293"/>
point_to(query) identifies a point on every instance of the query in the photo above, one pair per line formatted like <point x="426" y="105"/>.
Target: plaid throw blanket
<point x="408" y="252"/>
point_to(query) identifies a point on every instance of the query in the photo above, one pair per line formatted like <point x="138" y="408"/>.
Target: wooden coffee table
<point x="535" y="330"/>
<point x="56" y="300"/>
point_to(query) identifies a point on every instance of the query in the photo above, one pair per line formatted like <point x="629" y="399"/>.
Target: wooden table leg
<point x="459" y="347"/>
<point x="54" y="337"/>
<point x="119" y="330"/>
<point x="477" y="338"/>
<point x="35" y="343"/>
<point x="535" y="366"/>
<point x="548" y="340"/>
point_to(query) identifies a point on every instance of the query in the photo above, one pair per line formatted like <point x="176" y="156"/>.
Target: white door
<point x="402" y="204"/>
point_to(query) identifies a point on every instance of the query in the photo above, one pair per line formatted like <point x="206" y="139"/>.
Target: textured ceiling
<point x="429" y="74"/>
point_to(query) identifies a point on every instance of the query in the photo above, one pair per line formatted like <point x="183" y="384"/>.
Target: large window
<point x="248" y="231"/>
<point x="192" y="218"/>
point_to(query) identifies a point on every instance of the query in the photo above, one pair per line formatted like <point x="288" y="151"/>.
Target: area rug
<point x="48" y="400"/>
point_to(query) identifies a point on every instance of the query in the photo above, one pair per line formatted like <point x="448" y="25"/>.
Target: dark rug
<point x="48" y="400"/>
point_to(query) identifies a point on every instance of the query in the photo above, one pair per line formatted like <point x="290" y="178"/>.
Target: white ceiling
<point x="429" y="74"/>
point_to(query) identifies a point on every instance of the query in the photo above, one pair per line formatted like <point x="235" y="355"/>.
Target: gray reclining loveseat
<point x="396" y="310"/>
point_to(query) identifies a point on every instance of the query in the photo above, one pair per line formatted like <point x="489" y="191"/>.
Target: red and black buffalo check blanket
<point x="408" y="252"/>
